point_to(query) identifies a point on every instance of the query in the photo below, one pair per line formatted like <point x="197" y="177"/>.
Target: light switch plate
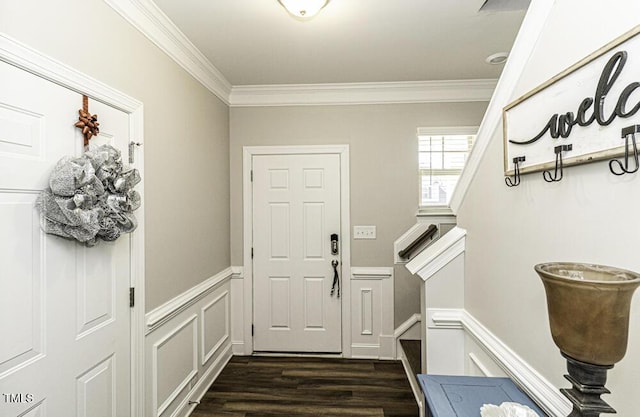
<point x="364" y="232"/>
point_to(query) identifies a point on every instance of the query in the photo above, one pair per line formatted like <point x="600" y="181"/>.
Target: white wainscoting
<point x="464" y="342"/>
<point x="372" y="332"/>
<point x="188" y="342"/>
<point x="238" y="344"/>
<point x="454" y="342"/>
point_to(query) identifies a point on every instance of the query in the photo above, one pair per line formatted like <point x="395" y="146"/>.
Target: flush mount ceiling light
<point x="303" y="9"/>
<point x="497" y="59"/>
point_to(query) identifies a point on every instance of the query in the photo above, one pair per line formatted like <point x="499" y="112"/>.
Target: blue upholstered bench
<point x="462" y="396"/>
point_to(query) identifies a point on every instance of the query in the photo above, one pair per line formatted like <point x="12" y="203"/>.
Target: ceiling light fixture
<point x="497" y="59"/>
<point x="303" y="9"/>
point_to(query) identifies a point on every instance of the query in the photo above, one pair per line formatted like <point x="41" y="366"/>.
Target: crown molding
<point x="362" y="93"/>
<point x="145" y="16"/>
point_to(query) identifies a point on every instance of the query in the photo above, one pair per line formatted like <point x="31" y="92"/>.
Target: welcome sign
<point x="585" y="106"/>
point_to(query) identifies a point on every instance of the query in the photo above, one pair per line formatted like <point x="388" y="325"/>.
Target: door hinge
<point x="253" y="329"/>
<point x="251" y="175"/>
<point x="252" y="253"/>
<point x="132" y="296"/>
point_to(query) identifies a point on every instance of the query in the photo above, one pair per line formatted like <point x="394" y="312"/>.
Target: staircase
<point x="410" y="353"/>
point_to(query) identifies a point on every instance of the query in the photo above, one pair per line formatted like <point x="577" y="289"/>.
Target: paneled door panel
<point x="296" y="208"/>
<point x="64" y="312"/>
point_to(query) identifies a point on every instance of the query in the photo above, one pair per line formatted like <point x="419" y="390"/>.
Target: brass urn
<point x="589" y="307"/>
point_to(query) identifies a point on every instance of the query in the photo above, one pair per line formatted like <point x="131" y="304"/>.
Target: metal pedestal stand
<point x="588" y="385"/>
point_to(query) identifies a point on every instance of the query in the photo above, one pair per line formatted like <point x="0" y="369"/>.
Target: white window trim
<point x="448" y="130"/>
<point x="424" y="211"/>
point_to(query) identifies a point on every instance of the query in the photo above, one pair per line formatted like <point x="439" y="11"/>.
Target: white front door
<point x="64" y="309"/>
<point x="296" y="209"/>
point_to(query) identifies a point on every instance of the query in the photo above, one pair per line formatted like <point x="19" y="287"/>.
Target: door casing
<point x="19" y="55"/>
<point x="345" y="227"/>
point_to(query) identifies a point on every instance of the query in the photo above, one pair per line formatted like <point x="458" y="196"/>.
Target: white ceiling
<point x="256" y="42"/>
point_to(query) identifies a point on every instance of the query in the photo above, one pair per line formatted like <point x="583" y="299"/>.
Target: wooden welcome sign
<point x="585" y="106"/>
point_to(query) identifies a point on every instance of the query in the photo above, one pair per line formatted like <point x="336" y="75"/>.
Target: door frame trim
<point x="26" y="58"/>
<point x="248" y="152"/>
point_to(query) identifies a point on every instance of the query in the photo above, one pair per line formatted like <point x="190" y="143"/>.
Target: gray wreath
<point x="91" y="197"/>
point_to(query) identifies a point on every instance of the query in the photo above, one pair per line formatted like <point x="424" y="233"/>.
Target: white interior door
<point x="296" y="208"/>
<point x="64" y="310"/>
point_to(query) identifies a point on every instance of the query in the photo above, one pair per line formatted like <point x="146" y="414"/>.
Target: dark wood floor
<point x="304" y="387"/>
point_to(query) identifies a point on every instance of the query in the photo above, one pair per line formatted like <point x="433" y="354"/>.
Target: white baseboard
<point x="365" y="351"/>
<point x="387" y="347"/>
<point x="238" y="348"/>
<point x="189" y="404"/>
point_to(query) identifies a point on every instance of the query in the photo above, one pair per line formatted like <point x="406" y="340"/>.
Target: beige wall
<point x="590" y="216"/>
<point x="186" y="133"/>
<point x="384" y="171"/>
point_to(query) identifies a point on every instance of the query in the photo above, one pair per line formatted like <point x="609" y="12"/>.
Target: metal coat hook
<point x="558" y="151"/>
<point x="627" y="133"/>
<point x="516" y="174"/>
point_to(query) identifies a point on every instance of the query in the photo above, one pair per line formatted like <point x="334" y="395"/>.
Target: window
<point x="442" y="154"/>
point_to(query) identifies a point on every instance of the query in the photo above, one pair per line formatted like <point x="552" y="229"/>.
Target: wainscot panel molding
<point x="238" y="344"/>
<point x="362" y="93"/>
<point x="521" y="50"/>
<point x="166" y="311"/>
<point x="214" y="332"/>
<point x="188" y="343"/>
<point x="177" y="354"/>
<point x="476" y="367"/>
<point x="371" y="273"/>
<point x="147" y="17"/>
<point x="445" y="342"/>
<point x="372" y="313"/>
<point x="440" y="268"/>
<point x="545" y="394"/>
